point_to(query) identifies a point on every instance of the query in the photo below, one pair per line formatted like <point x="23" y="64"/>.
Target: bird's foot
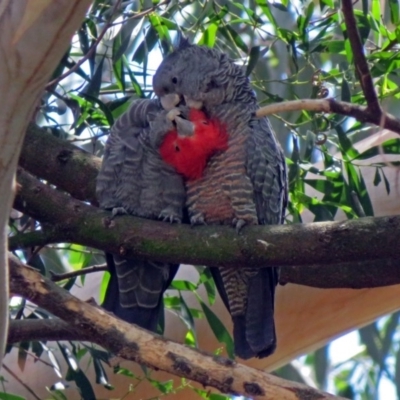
<point x="170" y="215"/>
<point x="118" y="211"/>
<point x="238" y="224"/>
<point x="197" y="219"/>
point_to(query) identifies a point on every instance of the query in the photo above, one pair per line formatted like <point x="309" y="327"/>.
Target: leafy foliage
<point x="290" y="49"/>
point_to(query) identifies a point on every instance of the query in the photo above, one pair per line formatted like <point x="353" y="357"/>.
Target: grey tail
<point x="135" y="291"/>
<point x="254" y="333"/>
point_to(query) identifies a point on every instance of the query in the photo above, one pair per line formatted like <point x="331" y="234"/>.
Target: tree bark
<point x="133" y="343"/>
<point x="33" y="37"/>
<point x="323" y="243"/>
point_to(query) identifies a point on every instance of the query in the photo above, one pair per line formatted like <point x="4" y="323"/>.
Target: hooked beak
<point x="169" y="101"/>
<point x="184" y="127"/>
<point x="193" y="103"/>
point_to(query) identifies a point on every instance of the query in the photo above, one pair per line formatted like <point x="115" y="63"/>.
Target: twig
<point x="132" y="343"/>
<point x="360" y="61"/>
<point x="357" y="204"/>
<point x="90" y="51"/>
<point x="20" y="381"/>
<point x="145" y="12"/>
<point x="73" y="274"/>
<point x="93" y="47"/>
<point x="361" y="113"/>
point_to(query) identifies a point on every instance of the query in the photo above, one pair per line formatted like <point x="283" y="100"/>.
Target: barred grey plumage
<point x="133" y="179"/>
<point x="246" y="184"/>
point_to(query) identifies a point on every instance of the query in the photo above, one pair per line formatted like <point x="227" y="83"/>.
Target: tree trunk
<point x="33" y="37"/>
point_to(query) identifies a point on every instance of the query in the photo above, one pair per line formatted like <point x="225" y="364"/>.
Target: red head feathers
<point x="189" y="154"/>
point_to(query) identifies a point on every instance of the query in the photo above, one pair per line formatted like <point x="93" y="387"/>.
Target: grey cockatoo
<point x="246" y="184"/>
<point x="134" y="179"/>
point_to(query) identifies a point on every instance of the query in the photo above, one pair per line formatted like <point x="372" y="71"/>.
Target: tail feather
<point x="254" y="333"/>
<point x="260" y="325"/>
<point x="142" y="306"/>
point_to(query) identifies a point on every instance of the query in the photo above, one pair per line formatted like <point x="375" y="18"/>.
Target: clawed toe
<point x="169" y="216"/>
<point x="197" y="219"/>
<point x="118" y="211"/>
<point x="238" y="224"/>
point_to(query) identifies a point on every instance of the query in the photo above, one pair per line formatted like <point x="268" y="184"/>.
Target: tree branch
<point x="360" y="113"/>
<point x="360" y="61"/>
<point x="90" y="52"/>
<point x="61" y="163"/>
<point x="133" y="343"/>
<point x="322" y="243"/>
<point x="41" y="330"/>
<point x="73" y="274"/>
<point x="33" y="239"/>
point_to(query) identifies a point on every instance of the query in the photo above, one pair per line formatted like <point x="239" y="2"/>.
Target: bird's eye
<point x="174" y="80"/>
<point x="177" y="148"/>
<point x="205" y="122"/>
<point x="212" y="84"/>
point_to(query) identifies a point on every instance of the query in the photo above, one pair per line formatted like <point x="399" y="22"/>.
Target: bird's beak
<point x="184" y="127"/>
<point x="169" y="101"/>
<point x="193" y="103"/>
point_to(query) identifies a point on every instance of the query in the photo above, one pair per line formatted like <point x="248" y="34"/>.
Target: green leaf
<point x="349" y="152"/>
<point x="104" y="285"/>
<point x="101" y="374"/>
<point x="209" y="35"/>
<point x="253" y="58"/>
<point x="280" y="6"/>
<point x="93" y="87"/>
<point x="376" y="9"/>
<point x="186" y="315"/>
<point x="218" y="328"/>
<point x="145" y="46"/>
<point x="183" y="285"/>
<point x="345" y="90"/>
<point x="76" y="374"/>
<point x="209" y="284"/>
<point x="172" y="302"/>
<point x="231" y="34"/>
<point x="205" y="394"/>
<point x="158" y="24"/>
<point x="264" y="5"/>
<point x="118" y="66"/>
<point x="394" y="11"/>
<point x="9" y="396"/>
<point x="124" y="38"/>
<point x="385" y="180"/>
<point x="391" y="146"/>
<point x="164" y="387"/>
<point x="377" y="177"/>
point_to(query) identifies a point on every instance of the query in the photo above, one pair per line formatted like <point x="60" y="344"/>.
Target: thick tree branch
<point x="360" y="113"/>
<point x="42" y="330"/>
<point x="33" y="239"/>
<point x="353" y="275"/>
<point x="132" y="343"/>
<point x="360" y="61"/>
<point x="323" y="243"/>
<point x="61" y="163"/>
